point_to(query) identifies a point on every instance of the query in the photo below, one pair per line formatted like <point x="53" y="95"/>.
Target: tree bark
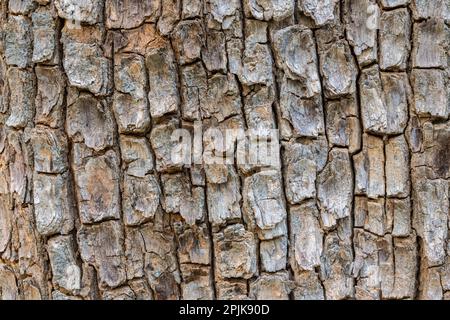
<point x="95" y="203"/>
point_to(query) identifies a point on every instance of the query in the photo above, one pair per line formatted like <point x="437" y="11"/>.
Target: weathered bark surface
<point x="93" y="205"/>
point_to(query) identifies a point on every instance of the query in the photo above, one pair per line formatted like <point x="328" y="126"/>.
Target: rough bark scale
<point x="92" y="205"/>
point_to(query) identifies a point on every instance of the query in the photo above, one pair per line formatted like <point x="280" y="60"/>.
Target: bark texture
<point x="94" y="206"/>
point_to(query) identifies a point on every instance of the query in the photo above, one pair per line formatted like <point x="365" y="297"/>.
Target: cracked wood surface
<point x="93" y="205"/>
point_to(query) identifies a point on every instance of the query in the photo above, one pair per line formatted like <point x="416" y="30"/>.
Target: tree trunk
<point x="128" y="134"/>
